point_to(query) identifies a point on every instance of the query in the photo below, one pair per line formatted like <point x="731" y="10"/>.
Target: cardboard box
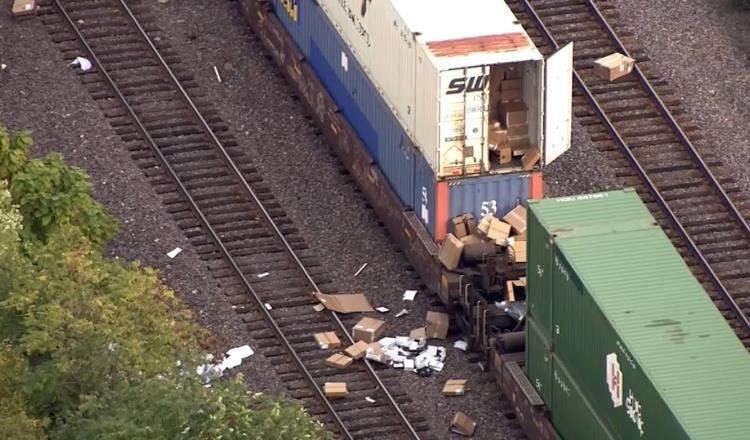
<point x="339" y="361"/>
<point x="345" y="303"/>
<point x="368" y="330"/>
<point x="504" y="155"/>
<point x="511" y="84"/>
<point x="327" y="340"/>
<point x="463" y="224"/>
<point x="512" y="113"/>
<point x="516" y="130"/>
<point x="335" y="389"/>
<point x="357" y="351"/>
<point x="450" y="252"/>
<point x="375" y="353"/>
<point x="437" y="325"/>
<point x="511" y="95"/>
<point x="463" y="424"/>
<point x="518" y="141"/>
<point x="24" y="7"/>
<point x="530" y="159"/>
<point x="613" y="66"/>
<point x="418" y="333"/>
<point x="498" y="231"/>
<point x="470" y="239"/>
<point x="511" y="286"/>
<point x="497" y="138"/>
<point x="517" y="219"/>
<point x="517" y="252"/>
<point x="454" y="387"/>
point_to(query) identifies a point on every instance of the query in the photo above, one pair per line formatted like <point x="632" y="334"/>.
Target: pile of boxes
<point x="508" y="233"/>
<point x="509" y="129"/>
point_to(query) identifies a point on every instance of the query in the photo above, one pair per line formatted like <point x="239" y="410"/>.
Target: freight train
<point x="444" y="109"/>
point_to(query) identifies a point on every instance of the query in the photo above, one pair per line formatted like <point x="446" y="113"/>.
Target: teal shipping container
<point x="633" y="336"/>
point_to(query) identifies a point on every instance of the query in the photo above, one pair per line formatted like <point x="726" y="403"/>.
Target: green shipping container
<point x="636" y="334"/>
<point x="563" y="215"/>
<point x="538" y="360"/>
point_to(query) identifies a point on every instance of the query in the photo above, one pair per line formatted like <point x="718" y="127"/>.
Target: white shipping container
<point x="439" y="66"/>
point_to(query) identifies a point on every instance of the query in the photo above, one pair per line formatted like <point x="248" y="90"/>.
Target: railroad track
<point x="231" y="218"/>
<point x="636" y="122"/>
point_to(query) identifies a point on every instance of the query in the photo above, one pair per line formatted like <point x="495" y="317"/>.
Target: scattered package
<point x="437" y="325"/>
<point x="174" y="252"/>
<point x="450" y="251"/>
<point x="517" y="219"/>
<point x="368" y="330"/>
<point x="408" y="353"/>
<point x="24" y="7"/>
<point x="345" y="303"/>
<point x="327" y="340"/>
<point x="339" y="361"/>
<point x="335" y="389"/>
<point x="357" y="351"/>
<point x="409" y="295"/>
<point x="494" y="229"/>
<point x="463" y="224"/>
<point x="463" y="424"/>
<point x="454" y="387"/>
<point x="613" y="66"/>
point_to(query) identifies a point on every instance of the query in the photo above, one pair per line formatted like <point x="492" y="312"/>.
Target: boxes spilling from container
<point x="619" y="331"/>
<point x="451" y="73"/>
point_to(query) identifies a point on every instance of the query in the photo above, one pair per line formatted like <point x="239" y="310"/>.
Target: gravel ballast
<point x="38" y="92"/>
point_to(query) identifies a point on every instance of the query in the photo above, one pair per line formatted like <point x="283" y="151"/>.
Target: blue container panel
<point x="496" y="194"/>
<point x="424" y="201"/>
<point x="354" y="93"/>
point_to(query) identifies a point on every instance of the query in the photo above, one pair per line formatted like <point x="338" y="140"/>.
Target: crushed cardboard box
<point x="450" y="252"/>
<point x="437" y="325"/>
<point x="454" y="387"/>
<point x="497" y="138"/>
<point x="375" y="353"/>
<point x="357" y="351"/>
<point x="339" y="361"/>
<point x="345" y="303"/>
<point x="368" y="330"/>
<point x="463" y="225"/>
<point x="335" y="389"/>
<point x="613" y="66"/>
<point x="463" y="424"/>
<point x="517" y="219"/>
<point x="327" y="340"/>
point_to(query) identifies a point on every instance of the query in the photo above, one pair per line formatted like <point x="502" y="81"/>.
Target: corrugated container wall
<point x="622" y="348"/>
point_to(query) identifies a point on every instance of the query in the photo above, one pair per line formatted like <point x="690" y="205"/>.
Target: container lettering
<point x="563" y="270"/>
<point x="581" y="197"/>
<point x="488" y="207"/>
<point x="633" y="408"/>
<point x="470" y="84"/>
<point x="356" y="19"/>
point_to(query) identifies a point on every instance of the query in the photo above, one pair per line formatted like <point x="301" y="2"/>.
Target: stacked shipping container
<point x="622" y="341"/>
<point x="336" y="53"/>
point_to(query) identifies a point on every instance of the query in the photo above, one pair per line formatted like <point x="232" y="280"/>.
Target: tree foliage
<point x="98" y="348"/>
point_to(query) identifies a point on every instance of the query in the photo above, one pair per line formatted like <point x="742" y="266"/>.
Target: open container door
<point x="558" y="102"/>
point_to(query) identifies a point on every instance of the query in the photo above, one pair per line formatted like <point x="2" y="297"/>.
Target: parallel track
<point x="220" y="202"/>
<point x="635" y="126"/>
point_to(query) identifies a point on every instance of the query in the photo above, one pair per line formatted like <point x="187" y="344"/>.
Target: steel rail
<point x="392" y="402"/>
<point x="679" y="132"/>
<point x="723" y="291"/>
<point x="214" y="236"/>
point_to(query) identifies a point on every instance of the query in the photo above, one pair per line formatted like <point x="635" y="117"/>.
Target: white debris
<point x="410" y="354"/>
<point x="174" y="252"/>
<point x="461" y="345"/>
<point x="369" y="399"/>
<point x="319" y="307"/>
<point x="84" y="63"/>
<point x="3" y="66"/>
<point x="360" y="269"/>
<point x="382" y="309"/>
<point x="263" y="275"/>
<point x="409" y="295"/>
<point x="268" y="306"/>
<point x="403" y="341"/>
<point x="216" y="70"/>
<point x="232" y="358"/>
<point x="387" y="342"/>
<point x="402" y="313"/>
